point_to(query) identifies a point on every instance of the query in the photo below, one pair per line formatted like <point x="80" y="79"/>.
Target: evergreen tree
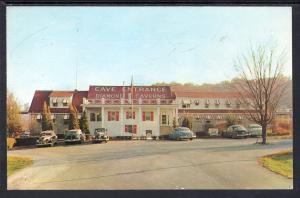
<point x="174" y="123"/>
<point x="45" y="117"/>
<point x="230" y="120"/>
<point x="74" y="122"/>
<point x="50" y="121"/>
<point x="84" y="125"/>
<point x="13" y="115"/>
<point x="186" y="123"/>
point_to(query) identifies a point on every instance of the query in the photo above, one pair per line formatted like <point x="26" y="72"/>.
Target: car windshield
<point x="100" y="130"/>
<point x="182" y="129"/>
<point x="238" y="128"/>
<point x="71" y="132"/>
<point x="45" y="134"/>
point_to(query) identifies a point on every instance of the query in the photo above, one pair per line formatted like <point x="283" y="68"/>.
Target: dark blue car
<point x="181" y="133"/>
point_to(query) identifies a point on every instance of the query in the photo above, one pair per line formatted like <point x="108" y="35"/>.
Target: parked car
<point x="74" y="136"/>
<point x="182" y="133"/>
<point x="236" y="131"/>
<point x="47" y="138"/>
<point x="254" y="130"/>
<point x="25" y="134"/>
<point x="100" y="135"/>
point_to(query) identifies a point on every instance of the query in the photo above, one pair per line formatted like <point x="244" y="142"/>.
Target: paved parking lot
<point x="197" y="164"/>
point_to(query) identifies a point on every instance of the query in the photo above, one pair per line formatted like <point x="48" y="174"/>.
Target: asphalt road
<point x="197" y="164"/>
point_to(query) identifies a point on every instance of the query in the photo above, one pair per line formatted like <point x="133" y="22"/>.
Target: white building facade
<point x="131" y="111"/>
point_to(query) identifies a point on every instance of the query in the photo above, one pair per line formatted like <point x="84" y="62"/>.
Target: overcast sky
<point x="154" y="44"/>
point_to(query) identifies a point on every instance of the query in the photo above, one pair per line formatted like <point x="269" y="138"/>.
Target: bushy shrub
<point x="26" y="141"/>
<point x="10" y="143"/>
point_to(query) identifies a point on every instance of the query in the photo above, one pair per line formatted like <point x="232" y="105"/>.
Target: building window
<point x="66" y="119"/>
<point x="148" y="116"/>
<point x="207" y="102"/>
<point x="54" y="102"/>
<point x="130" y="114"/>
<point x="65" y="102"/>
<point x="186" y="105"/>
<point x="131" y="128"/>
<point x="98" y="117"/>
<point x="196" y="102"/>
<point x="92" y="117"/>
<point x="113" y="116"/>
<point x="165" y="120"/>
<point x="228" y="103"/>
<point x="217" y="102"/>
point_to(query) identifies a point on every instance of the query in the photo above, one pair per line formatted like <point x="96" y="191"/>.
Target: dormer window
<point x="54" y="102"/>
<point x="65" y="102"/>
<point x="207" y="102"/>
<point x="228" y="103"/>
<point x="39" y="116"/>
<point x="217" y="102"/>
<point x="238" y="104"/>
<point x="186" y="103"/>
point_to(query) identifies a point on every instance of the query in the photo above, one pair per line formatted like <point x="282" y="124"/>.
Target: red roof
<point x="78" y="99"/>
<point x="38" y="101"/>
<point x="204" y="92"/>
<point x="41" y="96"/>
<point x="61" y="94"/>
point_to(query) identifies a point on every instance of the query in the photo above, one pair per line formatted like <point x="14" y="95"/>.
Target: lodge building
<point x="139" y="110"/>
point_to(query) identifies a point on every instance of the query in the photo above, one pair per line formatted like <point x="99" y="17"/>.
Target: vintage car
<point x="47" y="138"/>
<point x="236" y="131"/>
<point x="25" y="134"/>
<point x="254" y="130"/>
<point x="74" y="136"/>
<point x="100" y="135"/>
<point x="182" y="133"/>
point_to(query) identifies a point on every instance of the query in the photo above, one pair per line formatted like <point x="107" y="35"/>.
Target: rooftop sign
<point x="118" y="92"/>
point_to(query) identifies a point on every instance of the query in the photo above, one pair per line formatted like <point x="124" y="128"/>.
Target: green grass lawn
<point x="281" y="163"/>
<point x="15" y="163"/>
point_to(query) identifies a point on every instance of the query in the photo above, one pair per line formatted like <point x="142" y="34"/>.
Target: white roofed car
<point x="47" y="138"/>
<point x="74" y="135"/>
<point x="254" y="130"/>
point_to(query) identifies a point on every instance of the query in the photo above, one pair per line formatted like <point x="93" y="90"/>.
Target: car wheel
<point x="177" y="138"/>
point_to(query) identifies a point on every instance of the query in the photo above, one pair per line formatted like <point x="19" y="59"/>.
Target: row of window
<point x="216" y="105"/>
<point x="114" y="116"/>
<point x="64" y="101"/>
<point x="208" y="101"/>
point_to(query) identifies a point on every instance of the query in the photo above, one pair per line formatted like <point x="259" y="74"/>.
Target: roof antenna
<point x="76" y="72"/>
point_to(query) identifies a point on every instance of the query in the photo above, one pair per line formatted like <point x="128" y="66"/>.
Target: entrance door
<point x="149" y="134"/>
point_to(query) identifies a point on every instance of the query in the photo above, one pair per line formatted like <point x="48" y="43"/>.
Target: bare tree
<point x="261" y="84"/>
